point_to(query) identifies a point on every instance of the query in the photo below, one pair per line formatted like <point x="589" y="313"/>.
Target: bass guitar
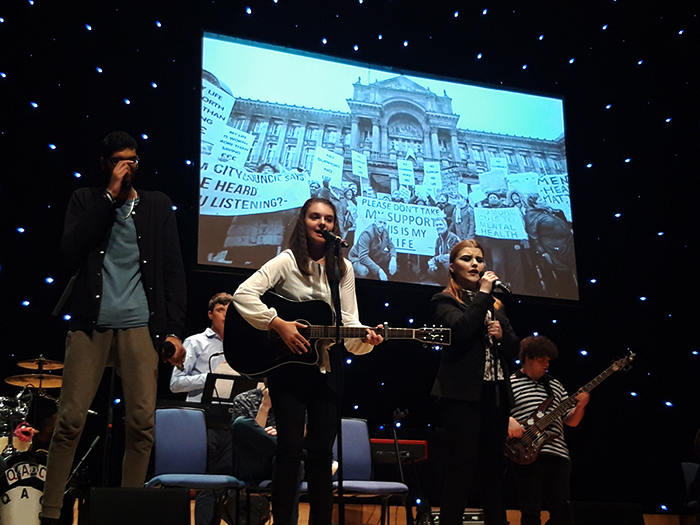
<point x="252" y="352"/>
<point x="526" y="448"/>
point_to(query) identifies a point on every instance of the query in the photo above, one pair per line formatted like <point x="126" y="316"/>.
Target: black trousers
<point x="301" y="394"/>
<point x="546" y="480"/>
<point x="476" y="434"/>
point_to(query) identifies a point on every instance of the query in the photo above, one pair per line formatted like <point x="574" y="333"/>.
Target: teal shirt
<point x="124" y="303"/>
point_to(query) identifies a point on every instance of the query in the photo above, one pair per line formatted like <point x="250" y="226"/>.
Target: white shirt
<point x="199" y="349"/>
<point x="282" y="274"/>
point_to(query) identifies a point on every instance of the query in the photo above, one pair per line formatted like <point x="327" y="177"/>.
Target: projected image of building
<point x="433" y="162"/>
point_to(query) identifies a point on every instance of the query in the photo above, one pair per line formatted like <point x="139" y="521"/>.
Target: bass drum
<point x="22" y="488"/>
<point x="22" y="446"/>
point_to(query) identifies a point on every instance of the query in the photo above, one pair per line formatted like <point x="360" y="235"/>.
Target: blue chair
<point x="181" y="456"/>
<point x="357" y="471"/>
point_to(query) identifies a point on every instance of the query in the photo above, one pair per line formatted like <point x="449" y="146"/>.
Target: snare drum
<point x="21" y="489"/>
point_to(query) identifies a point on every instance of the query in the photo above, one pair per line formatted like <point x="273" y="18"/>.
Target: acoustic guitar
<point x="252" y="352"/>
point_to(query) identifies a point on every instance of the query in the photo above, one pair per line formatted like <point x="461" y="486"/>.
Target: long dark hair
<point x="453" y="288"/>
<point x="298" y="242"/>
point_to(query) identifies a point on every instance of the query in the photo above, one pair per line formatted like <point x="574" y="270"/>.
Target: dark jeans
<point x="476" y="435"/>
<point x="306" y="398"/>
<point x="255" y="452"/>
<point x="546" y="480"/>
<point x="219" y="461"/>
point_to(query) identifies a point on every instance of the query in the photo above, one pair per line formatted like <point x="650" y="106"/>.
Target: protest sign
<point x="498" y="162"/>
<point x="233" y="147"/>
<point x="476" y="194"/>
<point x="406" y="176"/>
<point x="227" y="190"/>
<point x="216" y="109"/>
<point x="411" y="227"/>
<point x="554" y="192"/>
<point x="523" y="183"/>
<point x="432" y="178"/>
<point x="493" y="181"/>
<point x="327" y="165"/>
<point x="359" y="165"/>
<point x="500" y="223"/>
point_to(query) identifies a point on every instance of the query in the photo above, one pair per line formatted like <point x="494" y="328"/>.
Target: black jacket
<point x="461" y="372"/>
<point x="86" y="233"/>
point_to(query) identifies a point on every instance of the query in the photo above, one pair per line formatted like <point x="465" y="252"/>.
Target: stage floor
<point x="369" y="515"/>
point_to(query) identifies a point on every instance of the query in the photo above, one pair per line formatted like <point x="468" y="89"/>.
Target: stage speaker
<point x="599" y="513"/>
<point x="139" y="506"/>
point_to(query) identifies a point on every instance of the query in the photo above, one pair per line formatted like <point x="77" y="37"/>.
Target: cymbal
<point x="35" y="380"/>
<point x="40" y="363"/>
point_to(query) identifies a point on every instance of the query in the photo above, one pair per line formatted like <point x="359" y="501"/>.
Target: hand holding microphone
<point x="491" y="280"/>
<point x="173" y="352"/>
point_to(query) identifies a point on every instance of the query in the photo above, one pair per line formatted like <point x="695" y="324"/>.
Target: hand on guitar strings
<point x="515" y="429"/>
<point x="289" y="332"/>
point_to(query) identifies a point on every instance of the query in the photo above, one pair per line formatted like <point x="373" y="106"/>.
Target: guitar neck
<point x="570" y="401"/>
<point x="356" y="332"/>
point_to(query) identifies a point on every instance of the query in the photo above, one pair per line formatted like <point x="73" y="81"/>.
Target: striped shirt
<point x="529" y="395"/>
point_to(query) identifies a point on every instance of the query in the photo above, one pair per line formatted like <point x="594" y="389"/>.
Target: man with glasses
<point x="128" y="299"/>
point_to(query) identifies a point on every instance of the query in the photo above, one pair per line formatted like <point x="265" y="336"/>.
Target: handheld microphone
<point x="500" y="285"/>
<point x="168" y="352"/>
<point x="333" y="238"/>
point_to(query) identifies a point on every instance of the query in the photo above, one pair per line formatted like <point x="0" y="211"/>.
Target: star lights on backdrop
<point x="609" y="49"/>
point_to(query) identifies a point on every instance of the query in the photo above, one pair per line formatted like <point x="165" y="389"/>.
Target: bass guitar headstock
<point x="624" y="363"/>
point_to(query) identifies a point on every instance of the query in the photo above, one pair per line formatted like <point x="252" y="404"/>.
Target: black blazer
<point x="461" y="372"/>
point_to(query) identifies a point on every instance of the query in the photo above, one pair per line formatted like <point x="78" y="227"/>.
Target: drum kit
<point x="23" y="471"/>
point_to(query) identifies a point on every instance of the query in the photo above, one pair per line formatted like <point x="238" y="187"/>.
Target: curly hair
<point x="534" y="347"/>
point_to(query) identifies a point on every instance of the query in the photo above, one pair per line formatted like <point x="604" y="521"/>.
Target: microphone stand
<point x="337" y="365"/>
<point x="398" y="416"/>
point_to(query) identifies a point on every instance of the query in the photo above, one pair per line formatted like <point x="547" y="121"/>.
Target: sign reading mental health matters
<point x="227" y="190"/>
<point x="500" y="223"/>
<point x="411" y="227"/>
<point x="554" y="192"/>
<point x="359" y="165"/>
<point x="327" y="165"/>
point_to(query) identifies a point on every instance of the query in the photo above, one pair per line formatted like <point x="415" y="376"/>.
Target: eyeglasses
<point x="115" y="160"/>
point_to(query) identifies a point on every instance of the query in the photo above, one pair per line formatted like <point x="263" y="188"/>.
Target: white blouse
<point x="282" y="274"/>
